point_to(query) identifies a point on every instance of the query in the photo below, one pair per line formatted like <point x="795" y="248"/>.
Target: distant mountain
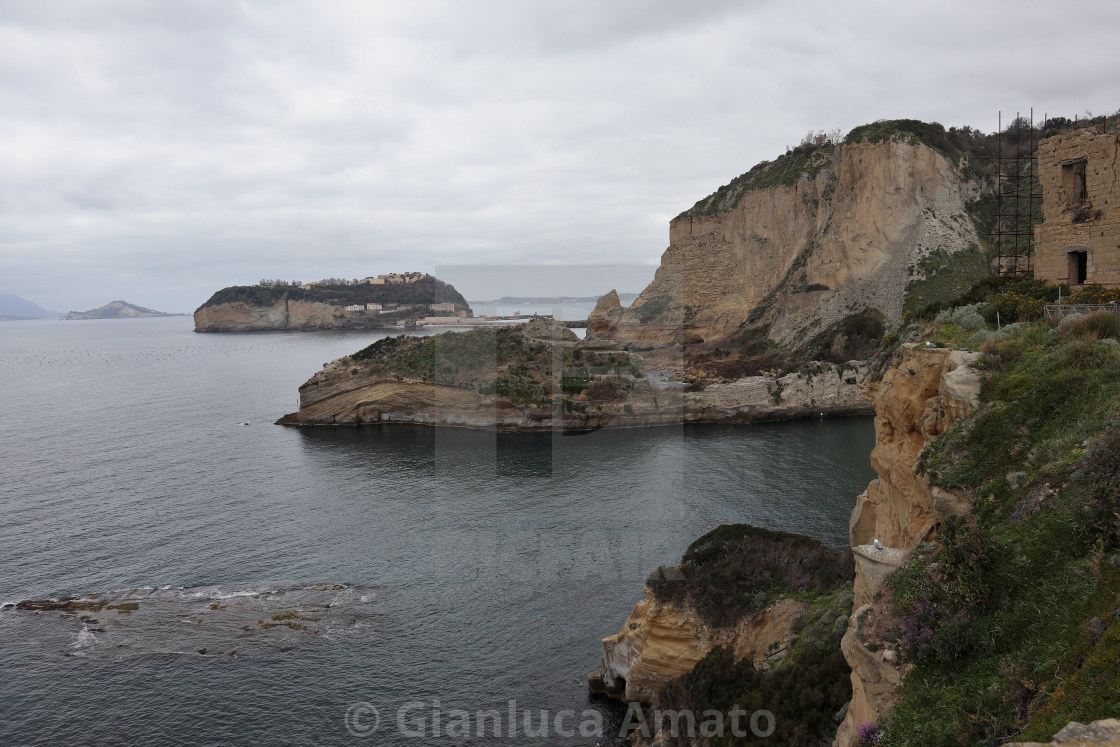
<point x="13" y="307"/>
<point x="118" y="310"/>
<point x="625" y="298"/>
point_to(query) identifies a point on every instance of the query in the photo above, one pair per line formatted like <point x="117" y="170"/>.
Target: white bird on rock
<point x="878" y="544"/>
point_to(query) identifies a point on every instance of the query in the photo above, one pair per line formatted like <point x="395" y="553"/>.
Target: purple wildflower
<point x="868" y="733"/>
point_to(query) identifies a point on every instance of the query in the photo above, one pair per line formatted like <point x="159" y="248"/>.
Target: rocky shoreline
<point x="924" y="392"/>
<point x="340" y="398"/>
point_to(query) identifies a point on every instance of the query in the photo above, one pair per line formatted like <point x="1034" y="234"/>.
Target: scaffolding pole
<point x="1018" y="201"/>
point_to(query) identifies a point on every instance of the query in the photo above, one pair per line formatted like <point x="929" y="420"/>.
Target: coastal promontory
<point x="395" y="300"/>
<point x="540" y="376"/>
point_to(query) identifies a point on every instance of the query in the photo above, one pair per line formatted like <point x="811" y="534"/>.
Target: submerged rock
<point x="235" y="620"/>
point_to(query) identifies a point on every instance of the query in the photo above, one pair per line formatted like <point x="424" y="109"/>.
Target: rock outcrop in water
<point x="540" y="376"/>
<point x="327" y="305"/>
<point x="847" y="228"/>
<point x="229" y="620"/>
<point x="751" y="617"/>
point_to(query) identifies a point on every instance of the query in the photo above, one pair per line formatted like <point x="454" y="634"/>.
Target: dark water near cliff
<point x="475" y="568"/>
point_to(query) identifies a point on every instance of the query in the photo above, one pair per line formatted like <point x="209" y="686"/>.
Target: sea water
<point x="288" y="582"/>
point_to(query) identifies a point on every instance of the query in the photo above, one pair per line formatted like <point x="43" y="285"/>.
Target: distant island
<point x="391" y="301"/>
<point x="118" y="310"/>
<point x="14" y="308"/>
<point x="625" y="298"/>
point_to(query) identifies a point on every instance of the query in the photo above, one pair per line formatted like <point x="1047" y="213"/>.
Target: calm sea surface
<point x="451" y="568"/>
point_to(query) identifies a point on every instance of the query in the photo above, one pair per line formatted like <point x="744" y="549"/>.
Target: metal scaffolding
<point x="1018" y="199"/>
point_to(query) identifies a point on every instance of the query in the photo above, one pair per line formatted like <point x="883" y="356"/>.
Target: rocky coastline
<point x="598" y="386"/>
<point x="924" y="392"/>
<point x="283" y="315"/>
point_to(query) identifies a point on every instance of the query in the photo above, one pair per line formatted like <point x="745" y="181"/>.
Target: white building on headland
<point x="356" y="307"/>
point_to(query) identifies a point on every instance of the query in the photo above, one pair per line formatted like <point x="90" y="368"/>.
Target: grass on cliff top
<point x="1011" y="618"/>
<point x="970" y="148"/>
<point x="736" y="569"/>
<point x="501" y="361"/>
<point x="424" y="291"/>
<point x="807" y="159"/>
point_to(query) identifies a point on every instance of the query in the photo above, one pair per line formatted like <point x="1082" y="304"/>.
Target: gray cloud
<point x="159" y="151"/>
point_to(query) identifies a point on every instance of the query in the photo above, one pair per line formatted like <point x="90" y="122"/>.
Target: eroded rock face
<point x="337" y="397"/>
<point x="282" y="315"/>
<point x="804" y="255"/>
<point x="925" y="392"/>
<point x="607" y="310"/>
<point x="833" y="390"/>
<point x="876" y="676"/>
<point x="660" y="642"/>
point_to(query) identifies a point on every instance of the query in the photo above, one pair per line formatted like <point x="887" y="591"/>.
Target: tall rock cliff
<point x="281" y="315"/>
<point x="923" y="393"/>
<point x="847" y="229"/>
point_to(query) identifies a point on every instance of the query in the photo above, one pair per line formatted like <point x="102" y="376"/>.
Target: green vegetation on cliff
<point x="1011" y="618"/>
<point x="424" y="291"/>
<point x="807" y="159"/>
<point x="972" y="150"/>
<point x="806" y="693"/>
<point x="505" y="361"/>
<point x="749" y="352"/>
<point x="738" y="569"/>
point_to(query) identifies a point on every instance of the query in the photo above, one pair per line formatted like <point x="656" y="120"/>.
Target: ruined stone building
<point x="1078" y="243"/>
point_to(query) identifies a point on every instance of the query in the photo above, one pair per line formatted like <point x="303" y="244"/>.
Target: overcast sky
<point x="156" y="151"/>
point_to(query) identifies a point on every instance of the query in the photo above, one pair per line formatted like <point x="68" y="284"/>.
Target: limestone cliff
<point x="925" y="392"/>
<point x="660" y="641"/>
<point x="281" y="315"/>
<point x="327" y="304"/>
<point x="922" y="394"/>
<point x="849" y="234"/>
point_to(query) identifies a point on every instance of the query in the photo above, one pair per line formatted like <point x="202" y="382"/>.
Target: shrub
<point x="967" y="318"/>
<point x="918" y="623"/>
<point x="855" y="337"/>
<point x="1095" y="294"/>
<point x="1097" y="326"/>
<point x="805" y="692"/>
<point x="868" y="734"/>
<point x="983" y="336"/>
<point x="738" y="568"/>
<point x="1020" y="301"/>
